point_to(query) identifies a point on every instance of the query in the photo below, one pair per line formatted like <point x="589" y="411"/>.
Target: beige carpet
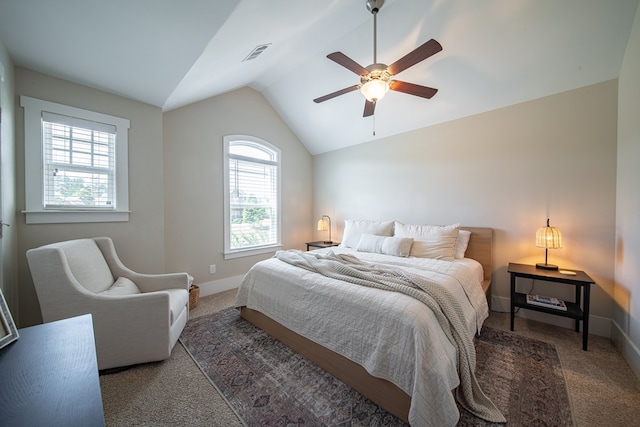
<point x="602" y="387"/>
<point x="170" y="393"/>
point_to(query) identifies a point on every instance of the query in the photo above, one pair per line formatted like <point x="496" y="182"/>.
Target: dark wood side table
<point x="321" y="244"/>
<point x="49" y="376"/>
<point x="581" y="281"/>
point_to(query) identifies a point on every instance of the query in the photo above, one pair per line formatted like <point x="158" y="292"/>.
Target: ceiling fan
<point x="375" y="80"/>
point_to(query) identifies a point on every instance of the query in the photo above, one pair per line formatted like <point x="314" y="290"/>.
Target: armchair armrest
<point x="146" y="282"/>
<point x="131" y="328"/>
<point x="158" y="282"/>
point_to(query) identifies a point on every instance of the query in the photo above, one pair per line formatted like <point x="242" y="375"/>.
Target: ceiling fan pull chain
<point x="374" y="125"/>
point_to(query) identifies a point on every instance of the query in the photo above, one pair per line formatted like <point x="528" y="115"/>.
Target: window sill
<point x="61" y="217"/>
<point x="250" y="252"/>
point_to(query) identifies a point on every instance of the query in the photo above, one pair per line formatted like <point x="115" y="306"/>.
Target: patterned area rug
<point x="267" y="384"/>
<point x="524" y="379"/>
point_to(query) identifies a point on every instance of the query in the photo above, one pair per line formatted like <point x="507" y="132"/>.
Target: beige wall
<point x="194" y="181"/>
<point x="140" y="241"/>
<point x="9" y="241"/>
<point x="627" y="261"/>
<point x="508" y="169"/>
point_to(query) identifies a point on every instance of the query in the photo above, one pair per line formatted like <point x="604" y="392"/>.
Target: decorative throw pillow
<point x="461" y="243"/>
<point x="354" y="229"/>
<point x="396" y="246"/>
<point x="430" y="241"/>
<point x="122" y="286"/>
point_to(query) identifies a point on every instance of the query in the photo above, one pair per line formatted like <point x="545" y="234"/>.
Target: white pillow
<point x="461" y="243"/>
<point x="396" y="246"/>
<point x="430" y="241"/>
<point x="122" y="286"/>
<point x="354" y="229"/>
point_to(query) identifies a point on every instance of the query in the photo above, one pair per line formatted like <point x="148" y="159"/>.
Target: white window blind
<point x="252" y="183"/>
<point x="79" y="163"/>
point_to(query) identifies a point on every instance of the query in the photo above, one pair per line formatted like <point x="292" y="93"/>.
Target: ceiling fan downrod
<point x="374" y="6"/>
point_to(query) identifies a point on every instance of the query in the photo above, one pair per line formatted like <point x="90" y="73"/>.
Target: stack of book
<point x="548" y="302"/>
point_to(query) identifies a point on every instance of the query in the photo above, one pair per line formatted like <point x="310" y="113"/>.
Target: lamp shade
<point x="548" y="237"/>
<point x="323" y="225"/>
<point x="374" y="89"/>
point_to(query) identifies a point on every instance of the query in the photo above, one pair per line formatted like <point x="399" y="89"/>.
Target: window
<point x="75" y="164"/>
<point x="252" y="196"/>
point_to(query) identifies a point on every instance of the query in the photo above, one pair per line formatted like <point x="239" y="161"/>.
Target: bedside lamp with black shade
<point x="324" y="225"/>
<point x="548" y="238"/>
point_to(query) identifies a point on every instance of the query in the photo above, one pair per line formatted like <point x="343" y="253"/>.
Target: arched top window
<point x="252" y="196"/>
<point x="254" y="150"/>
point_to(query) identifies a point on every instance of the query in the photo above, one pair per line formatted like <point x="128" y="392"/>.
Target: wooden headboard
<point x="481" y="249"/>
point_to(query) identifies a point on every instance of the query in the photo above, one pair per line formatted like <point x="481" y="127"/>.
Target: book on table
<point x="544" y="301"/>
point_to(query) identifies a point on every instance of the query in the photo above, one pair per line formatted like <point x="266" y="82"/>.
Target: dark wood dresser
<point x="49" y="376"/>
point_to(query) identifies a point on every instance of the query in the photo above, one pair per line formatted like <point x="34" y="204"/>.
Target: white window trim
<point x="33" y="158"/>
<point x="238" y="253"/>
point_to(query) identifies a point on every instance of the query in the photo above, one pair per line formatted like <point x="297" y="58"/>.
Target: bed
<point x="329" y="322"/>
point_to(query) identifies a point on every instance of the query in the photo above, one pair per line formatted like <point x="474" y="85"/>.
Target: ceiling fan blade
<point x="369" y="108"/>
<point x="336" y="93"/>
<point x="412" y="89"/>
<point x="412" y="58"/>
<point x="348" y="63"/>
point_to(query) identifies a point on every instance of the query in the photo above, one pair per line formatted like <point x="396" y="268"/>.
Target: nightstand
<point x="580" y="280"/>
<point x="321" y="244"/>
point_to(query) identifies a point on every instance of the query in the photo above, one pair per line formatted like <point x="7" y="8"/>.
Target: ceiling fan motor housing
<point x="376" y="72"/>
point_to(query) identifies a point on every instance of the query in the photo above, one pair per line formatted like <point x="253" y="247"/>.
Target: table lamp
<point x="548" y="238"/>
<point x="324" y="225"/>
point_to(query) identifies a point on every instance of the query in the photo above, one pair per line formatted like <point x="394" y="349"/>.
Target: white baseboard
<point x="629" y="351"/>
<point x="598" y="325"/>
<point x="217" y="286"/>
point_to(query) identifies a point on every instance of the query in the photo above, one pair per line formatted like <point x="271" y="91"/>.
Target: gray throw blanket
<point x="447" y="310"/>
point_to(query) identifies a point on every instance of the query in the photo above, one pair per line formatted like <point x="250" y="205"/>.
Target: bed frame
<point x="382" y="392"/>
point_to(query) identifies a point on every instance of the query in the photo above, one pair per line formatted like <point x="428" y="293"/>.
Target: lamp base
<point x="545" y="266"/>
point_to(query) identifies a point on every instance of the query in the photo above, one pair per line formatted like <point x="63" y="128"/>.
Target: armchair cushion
<point x="87" y="264"/>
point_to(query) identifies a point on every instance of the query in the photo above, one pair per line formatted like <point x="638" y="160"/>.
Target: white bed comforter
<point x="393" y="336"/>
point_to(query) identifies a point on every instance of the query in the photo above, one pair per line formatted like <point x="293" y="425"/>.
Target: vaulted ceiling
<point x="172" y="53"/>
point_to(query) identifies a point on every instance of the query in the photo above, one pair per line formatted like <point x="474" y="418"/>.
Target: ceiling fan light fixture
<point x="374" y="89"/>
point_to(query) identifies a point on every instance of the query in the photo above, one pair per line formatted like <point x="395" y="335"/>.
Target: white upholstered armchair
<point x="137" y="317"/>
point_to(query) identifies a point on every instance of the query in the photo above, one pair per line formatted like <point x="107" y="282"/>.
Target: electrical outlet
<point x="212" y="269"/>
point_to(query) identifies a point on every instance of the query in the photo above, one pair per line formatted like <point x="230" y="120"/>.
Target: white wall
<point x="139" y="242"/>
<point x="627" y="260"/>
<point x="194" y="183"/>
<point x="508" y="169"/>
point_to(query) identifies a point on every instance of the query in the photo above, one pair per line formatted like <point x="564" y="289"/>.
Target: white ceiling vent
<point x="256" y="51"/>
